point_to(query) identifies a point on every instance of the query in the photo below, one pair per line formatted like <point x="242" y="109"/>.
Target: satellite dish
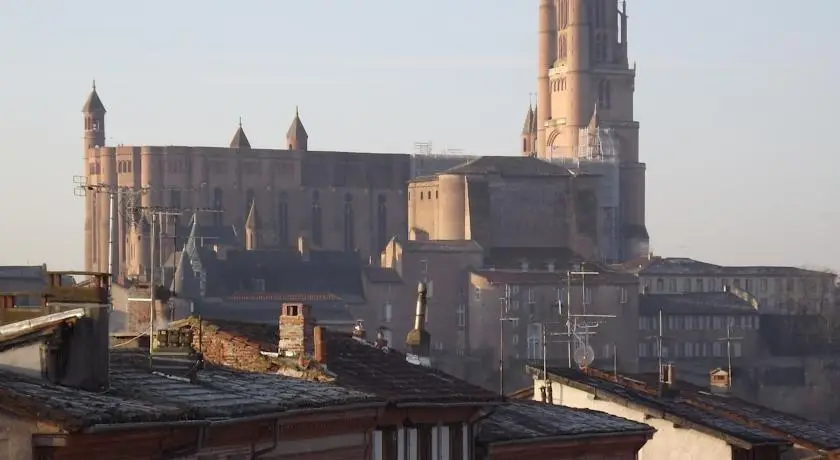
<point x="584" y="356"/>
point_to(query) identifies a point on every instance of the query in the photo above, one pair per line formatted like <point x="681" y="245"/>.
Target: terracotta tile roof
<point x="138" y="396"/>
<point x="525" y="394"/>
<point x="521" y="420"/>
<point x="360" y="366"/>
<point x="717" y="415"/>
<point x="282" y="297"/>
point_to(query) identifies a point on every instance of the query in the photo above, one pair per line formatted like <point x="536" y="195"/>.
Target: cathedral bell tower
<point x="94" y="119"/>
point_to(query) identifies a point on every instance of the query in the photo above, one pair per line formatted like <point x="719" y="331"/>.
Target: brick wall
<point x="221" y="348"/>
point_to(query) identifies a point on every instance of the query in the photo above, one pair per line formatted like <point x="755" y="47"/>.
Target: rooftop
<point x="139" y="396"/>
<point x="695" y="303"/>
<point x="687" y="266"/>
<point x="520" y="420"/>
<point x="360" y="365"/>
<point x="723" y="416"/>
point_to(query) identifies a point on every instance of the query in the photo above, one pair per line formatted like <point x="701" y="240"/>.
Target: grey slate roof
<point x="717" y="415"/>
<point x="137" y="396"/>
<point x="695" y="303"/>
<point x="510" y="167"/>
<point x="518" y="420"/>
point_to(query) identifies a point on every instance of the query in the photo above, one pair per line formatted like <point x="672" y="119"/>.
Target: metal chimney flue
<point x="419" y="339"/>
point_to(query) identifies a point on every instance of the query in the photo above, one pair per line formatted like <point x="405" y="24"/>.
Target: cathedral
<point x="142" y="197"/>
<point x="584" y="114"/>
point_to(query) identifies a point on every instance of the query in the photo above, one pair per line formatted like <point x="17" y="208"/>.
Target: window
<point x="385" y="316"/>
<point x="283" y="218"/>
<point x="259" y="285"/>
<point x="531" y="295"/>
<point x="461" y="316"/>
<point x="317" y="234"/>
<point x="660" y="285"/>
<point x="622" y="295"/>
<point x="349" y="224"/>
<point x="705" y="349"/>
<point x="643" y="323"/>
<point x="643" y="350"/>
<point x="686" y="285"/>
<point x="712" y="285"/>
<point x="748" y="285"/>
<point x="672" y="285"/>
<point x="736" y="349"/>
<point x="718" y="322"/>
<point x="746" y="322"/>
<point x="717" y="349"/>
<point x="698" y="285"/>
<point x="218" y="205"/>
<point x="737" y="283"/>
<point x="689" y="349"/>
<point x="424" y="266"/>
<point x="382" y="221"/>
<point x="564" y="14"/>
<point x="535" y="341"/>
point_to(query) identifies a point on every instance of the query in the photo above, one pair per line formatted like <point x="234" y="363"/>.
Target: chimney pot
<point x="320" y="345"/>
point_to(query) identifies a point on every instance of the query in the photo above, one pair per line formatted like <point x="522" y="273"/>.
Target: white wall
<point x="667" y="443"/>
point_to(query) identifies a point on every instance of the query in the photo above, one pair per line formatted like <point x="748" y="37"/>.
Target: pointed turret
<point x="184" y="284"/>
<point x="94" y="116"/>
<point x="529" y="132"/>
<point x="252" y="228"/>
<point x="529" y="126"/>
<point x="595" y="120"/>
<point x="240" y="140"/>
<point x="296" y="137"/>
<point x="94" y="103"/>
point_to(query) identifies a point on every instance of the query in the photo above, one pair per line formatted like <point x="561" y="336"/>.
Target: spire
<point x="595" y="121"/>
<point x="94" y="103"/>
<point x="296" y="136"/>
<point x="252" y="222"/>
<point x="240" y="140"/>
<point x="252" y="228"/>
<point x="184" y="283"/>
<point x="530" y="125"/>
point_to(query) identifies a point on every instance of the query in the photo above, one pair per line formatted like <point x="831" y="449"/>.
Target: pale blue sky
<point x="737" y="101"/>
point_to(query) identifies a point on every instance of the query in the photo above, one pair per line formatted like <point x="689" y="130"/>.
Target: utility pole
<point x="156" y="213"/>
<point x="660" y="338"/>
<point x="729" y="339"/>
<point x="120" y="200"/>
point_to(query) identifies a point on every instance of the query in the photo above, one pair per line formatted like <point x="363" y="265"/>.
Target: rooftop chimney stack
<point x="720" y="381"/>
<point x="303" y="248"/>
<point x="667" y="381"/>
<point x="320" y="344"/>
<point x="359" y="330"/>
<point x="419" y="339"/>
<point x="297" y="329"/>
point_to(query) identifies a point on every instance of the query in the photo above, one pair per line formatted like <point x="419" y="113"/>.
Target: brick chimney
<point x="320" y="344"/>
<point x="297" y="329"/>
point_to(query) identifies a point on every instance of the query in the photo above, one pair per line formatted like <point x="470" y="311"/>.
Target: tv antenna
<point x="660" y="338"/>
<point x="729" y="339"/>
<point x="579" y="327"/>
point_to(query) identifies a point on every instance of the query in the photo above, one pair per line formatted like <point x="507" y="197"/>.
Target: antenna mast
<point x="729" y="339"/>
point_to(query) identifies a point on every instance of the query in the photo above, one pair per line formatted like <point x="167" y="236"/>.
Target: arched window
<point x="382" y="221"/>
<point x="349" y="233"/>
<point x="283" y="218"/>
<point x="316" y="219"/>
<point x="218" y="204"/>
<point x="604" y="94"/>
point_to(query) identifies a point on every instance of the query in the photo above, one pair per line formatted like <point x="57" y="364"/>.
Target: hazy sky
<point x="737" y="101"/>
